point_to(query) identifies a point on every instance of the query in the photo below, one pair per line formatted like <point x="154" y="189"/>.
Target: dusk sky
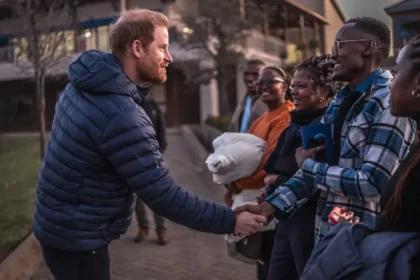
<point x="374" y="8"/>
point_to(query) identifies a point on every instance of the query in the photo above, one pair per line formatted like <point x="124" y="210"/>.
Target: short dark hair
<point x="257" y="62"/>
<point x="377" y="28"/>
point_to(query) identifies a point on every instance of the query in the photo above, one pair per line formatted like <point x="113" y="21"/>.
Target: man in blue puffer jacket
<point x="103" y="149"/>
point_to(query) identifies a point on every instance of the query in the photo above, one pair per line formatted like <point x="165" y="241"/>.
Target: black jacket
<point x="158" y="120"/>
<point x="282" y="160"/>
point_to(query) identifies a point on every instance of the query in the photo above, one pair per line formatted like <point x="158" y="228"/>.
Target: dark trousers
<point x="78" y="265"/>
<point x="263" y="263"/>
<point x="142" y="217"/>
<point x="293" y="243"/>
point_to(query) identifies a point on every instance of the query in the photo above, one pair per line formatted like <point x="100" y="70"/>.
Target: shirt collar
<point x="363" y="86"/>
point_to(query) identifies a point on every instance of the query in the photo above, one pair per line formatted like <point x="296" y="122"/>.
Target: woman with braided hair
<point x="312" y="89"/>
<point x="392" y="251"/>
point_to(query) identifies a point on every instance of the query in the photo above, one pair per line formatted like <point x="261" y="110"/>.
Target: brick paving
<point x="190" y="254"/>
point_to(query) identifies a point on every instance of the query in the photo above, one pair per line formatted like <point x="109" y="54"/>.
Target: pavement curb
<point x="22" y="263"/>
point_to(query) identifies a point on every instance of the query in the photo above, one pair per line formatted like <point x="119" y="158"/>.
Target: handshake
<point x="252" y="217"/>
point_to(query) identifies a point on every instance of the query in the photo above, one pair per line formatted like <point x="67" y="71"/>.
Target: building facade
<point x="295" y="24"/>
<point x="405" y="21"/>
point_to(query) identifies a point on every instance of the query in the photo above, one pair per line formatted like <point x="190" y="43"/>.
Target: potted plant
<point x="284" y="55"/>
<point x="301" y="47"/>
<point x="313" y="45"/>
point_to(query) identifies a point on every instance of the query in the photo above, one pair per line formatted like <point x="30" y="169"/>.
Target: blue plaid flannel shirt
<point x="373" y="143"/>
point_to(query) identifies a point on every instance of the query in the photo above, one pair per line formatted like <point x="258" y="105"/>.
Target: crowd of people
<point x="103" y="153"/>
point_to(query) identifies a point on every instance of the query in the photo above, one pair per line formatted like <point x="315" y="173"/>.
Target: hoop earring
<point x="415" y="94"/>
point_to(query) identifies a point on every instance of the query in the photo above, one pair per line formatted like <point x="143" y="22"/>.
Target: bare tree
<point x="40" y="49"/>
<point x="219" y="28"/>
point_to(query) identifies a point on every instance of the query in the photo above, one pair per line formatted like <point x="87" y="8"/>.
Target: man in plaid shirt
<point x="372" y="141"/>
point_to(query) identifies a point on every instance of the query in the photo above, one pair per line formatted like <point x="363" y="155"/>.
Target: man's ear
<point x="137" y="48"/>
<point x="370" y="48"/>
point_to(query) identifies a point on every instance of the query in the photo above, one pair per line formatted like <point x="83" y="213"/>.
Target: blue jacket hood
<point x="98" y="72"/>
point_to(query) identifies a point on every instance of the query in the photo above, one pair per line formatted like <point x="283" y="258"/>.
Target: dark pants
<point x="142" y="217"/>
<point x="263" y="263"/>
<point x="293" y="243"/>
<point x="78" y="265"/>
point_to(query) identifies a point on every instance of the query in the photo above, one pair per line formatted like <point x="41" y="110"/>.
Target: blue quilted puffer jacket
<point x="103" y="149"/>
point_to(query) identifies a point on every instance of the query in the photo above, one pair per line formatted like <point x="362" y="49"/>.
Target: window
<point x="58" y="44"/>
<point x="88" y="36"/>
<point x="103" y="32"/>
<point x="16" y="108"/>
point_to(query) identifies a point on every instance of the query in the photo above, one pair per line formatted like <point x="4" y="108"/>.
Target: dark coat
<point x="356" y="252"/>
<point x="103" y="149"/>
<point x="282" y="160"/>
<point x="294" y="236"/>
<point x="158" y="120"/>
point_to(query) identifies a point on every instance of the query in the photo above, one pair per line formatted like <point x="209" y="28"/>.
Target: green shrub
<point x="221" y="123"/>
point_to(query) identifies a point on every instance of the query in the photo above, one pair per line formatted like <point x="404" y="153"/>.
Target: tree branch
<point x="42" y="44"/>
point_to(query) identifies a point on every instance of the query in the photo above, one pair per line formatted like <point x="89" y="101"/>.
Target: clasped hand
<point x="302" y="154"/>
<point x="252" y="217"/>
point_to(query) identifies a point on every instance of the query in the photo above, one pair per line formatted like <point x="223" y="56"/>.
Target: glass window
<point x="103" y="38"/>
<point x="89" y="37"/>
<point x="17" y="108"/>
<point x="57" y="44"/>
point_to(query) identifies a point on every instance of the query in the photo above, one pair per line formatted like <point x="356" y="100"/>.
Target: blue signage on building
<point x="401" y="33"/>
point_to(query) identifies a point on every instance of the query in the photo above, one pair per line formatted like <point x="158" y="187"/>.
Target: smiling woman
<point x="311" y="89"/>
<point x="272" y="87"/>
<point x="312" y="86"/>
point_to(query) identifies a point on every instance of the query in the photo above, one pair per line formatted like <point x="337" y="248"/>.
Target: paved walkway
<point x="190" y="255"/>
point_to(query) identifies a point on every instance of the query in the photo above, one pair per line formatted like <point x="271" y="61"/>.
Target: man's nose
<point x="168" y="57"/>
